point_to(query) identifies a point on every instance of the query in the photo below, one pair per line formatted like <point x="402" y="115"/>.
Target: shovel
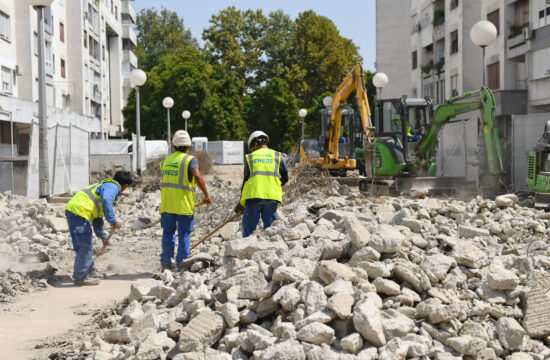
<point x="106" y="242"/>
<point x="216" y="229"/>
<point x="143" y="223"/>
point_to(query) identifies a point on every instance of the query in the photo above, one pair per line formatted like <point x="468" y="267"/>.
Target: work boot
<point x="86" y="282"/>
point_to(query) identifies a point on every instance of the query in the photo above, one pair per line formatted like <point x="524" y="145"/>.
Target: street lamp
<point x="379" y="81"/>
<point x="482" y="34"/>
<point x="43" y="169"/>
<point x="168" y="102"/>
<point x="327" y="101"/>
<point x="302" y="113"/>
<point x="137" y="79"/>
<point x="186" y="115"/>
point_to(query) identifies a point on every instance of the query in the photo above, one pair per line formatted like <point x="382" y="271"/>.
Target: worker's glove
<point x="239" y="208"/>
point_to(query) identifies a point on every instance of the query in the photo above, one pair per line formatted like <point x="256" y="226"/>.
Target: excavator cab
<point x="400" y="126"/>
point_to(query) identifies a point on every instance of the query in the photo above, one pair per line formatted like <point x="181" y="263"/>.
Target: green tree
<point x="234" y="42"/>
<point x="274" y="109"/>
<point x="277" y="46"/>
<point x="158" y="34"/>
<point x="195" y="85"/>
<point x="321" y="57"/>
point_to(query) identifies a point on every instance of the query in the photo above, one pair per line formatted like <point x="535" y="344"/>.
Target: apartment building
<point x="392" y="39"/>
<point x="88" y="56"/>
<point x="443" y="61"/>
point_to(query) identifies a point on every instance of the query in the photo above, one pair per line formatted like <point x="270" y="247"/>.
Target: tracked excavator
<point x="341" y="132"/>
<point x="406" y="141"/>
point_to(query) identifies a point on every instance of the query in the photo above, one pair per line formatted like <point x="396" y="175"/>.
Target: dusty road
<point x="62" y="307"/>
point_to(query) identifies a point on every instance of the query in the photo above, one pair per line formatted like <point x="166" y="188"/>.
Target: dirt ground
<point x="61" y="307"/>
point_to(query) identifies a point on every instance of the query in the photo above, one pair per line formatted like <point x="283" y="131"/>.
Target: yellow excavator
<point x="336" y="147"/>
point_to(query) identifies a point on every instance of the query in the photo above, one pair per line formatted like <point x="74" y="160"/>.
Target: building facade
<point x="443" y="61"/>
<point x="88" y="55"/>
<point x="392" y="22"/>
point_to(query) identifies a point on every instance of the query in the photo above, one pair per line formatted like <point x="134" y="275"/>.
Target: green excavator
<point x="538" y="169"/>
<point x="406" y="140"/>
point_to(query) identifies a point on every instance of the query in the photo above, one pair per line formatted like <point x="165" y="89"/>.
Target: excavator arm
<point x="449" y="110"/>
<point x="353" y="80"/>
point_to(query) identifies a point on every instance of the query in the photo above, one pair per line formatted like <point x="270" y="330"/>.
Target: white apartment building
<point x="88" y="50"/>
<point x="443" y="61"/>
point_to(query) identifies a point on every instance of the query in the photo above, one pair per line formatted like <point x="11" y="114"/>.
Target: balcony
<point x="129" y="33"/>
<point x="510" y="102"/>
<point x="128" y="8"/>
<point x="516" y="44"/>
<point x="95" y="93"/>
<point x="538" y="92"/>
<point x="128" y="56"/>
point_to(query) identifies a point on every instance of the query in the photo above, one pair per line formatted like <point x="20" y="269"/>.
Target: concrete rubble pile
<point x="31" y="233"/>
<point x="343" y="276"/>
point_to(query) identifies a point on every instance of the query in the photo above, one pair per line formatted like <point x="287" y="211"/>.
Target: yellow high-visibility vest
<point x="87" y="203"/>
<point x="264" y="181"/>
<point x="177" y="194"/>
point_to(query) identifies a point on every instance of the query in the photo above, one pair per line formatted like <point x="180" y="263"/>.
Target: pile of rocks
<point x="341" y="276"/>
<point x="31" y="233"/>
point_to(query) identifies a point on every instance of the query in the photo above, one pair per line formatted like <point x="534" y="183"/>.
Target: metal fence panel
<point x="526" y="130"/>
<point x="69" y="164"/>
<point x="80" y="158"/>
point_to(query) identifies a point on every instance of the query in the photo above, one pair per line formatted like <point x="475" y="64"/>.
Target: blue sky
<point x="356" y="19"/>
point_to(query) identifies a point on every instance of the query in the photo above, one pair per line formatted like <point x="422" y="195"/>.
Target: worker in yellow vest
<point x="265" y="173"/>
<point x="180" y="177"/>
<point x="88" y="207"/>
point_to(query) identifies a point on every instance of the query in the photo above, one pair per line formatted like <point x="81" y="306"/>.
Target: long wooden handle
<point x="106" y="242"/>
<point x="216" y="229"/>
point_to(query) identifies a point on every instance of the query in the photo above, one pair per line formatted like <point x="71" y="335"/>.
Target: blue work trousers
<point x="253" y="212"/>
<point x="81" y="235"/>
<point x="184" y="224"/>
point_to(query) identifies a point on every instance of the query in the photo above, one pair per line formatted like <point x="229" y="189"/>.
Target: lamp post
<point x="43" y="169"/>
<point x="137" y="79"/>
<point x="186" y="115"/>
<point x="379" y="81"/>
<point x="302" y="113"/>
<point x="482" y="34"/>
<point x="168" y="102"/>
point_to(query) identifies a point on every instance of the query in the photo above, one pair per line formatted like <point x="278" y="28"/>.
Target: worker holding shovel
<point x="180" y="177"/>
<point x="265" y="173"/>
<point x="84" y="211"/>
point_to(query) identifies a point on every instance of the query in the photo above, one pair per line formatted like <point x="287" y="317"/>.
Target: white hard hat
<point x="181" y="138"/>
<point x="256" y="134"/>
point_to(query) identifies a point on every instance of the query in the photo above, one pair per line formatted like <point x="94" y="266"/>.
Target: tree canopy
<point x="253" y="73"/>
<point x="158" y="34"/>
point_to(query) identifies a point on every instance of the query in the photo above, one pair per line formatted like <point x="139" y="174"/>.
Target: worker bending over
<point x="88" y="206"/>
<point x="264" y="174"/>
<point x="180" y="176"/>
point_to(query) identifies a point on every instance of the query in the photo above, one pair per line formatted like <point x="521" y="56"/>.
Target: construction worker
<point x="88" y="207"/>
<point x="264" y="174"/>
<point x="180" y="176"/>
<point x="412" y="135"/>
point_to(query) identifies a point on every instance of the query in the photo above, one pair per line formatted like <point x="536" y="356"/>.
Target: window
<point x="126" y="44"/>
<point x="454" y="4"/>
<point x="454" y="42"/>
<point x="62" y="68"/>
<point x="5" y="26"/>
<point x="116" y="12"/>
<point x="6" y="80"/>
<point x="103" y="52"/>
<point x="61" y="32"/>
<point x="126" y="19"/>
<point x="454" y="85"/>
<point x="414" y="60"/>
<point x="493" y="76"/>
<point x="494" y="17"/>
<point x="521" y="13"/>
<point x="85" y="39"/>
<point x="111" y="6"/>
